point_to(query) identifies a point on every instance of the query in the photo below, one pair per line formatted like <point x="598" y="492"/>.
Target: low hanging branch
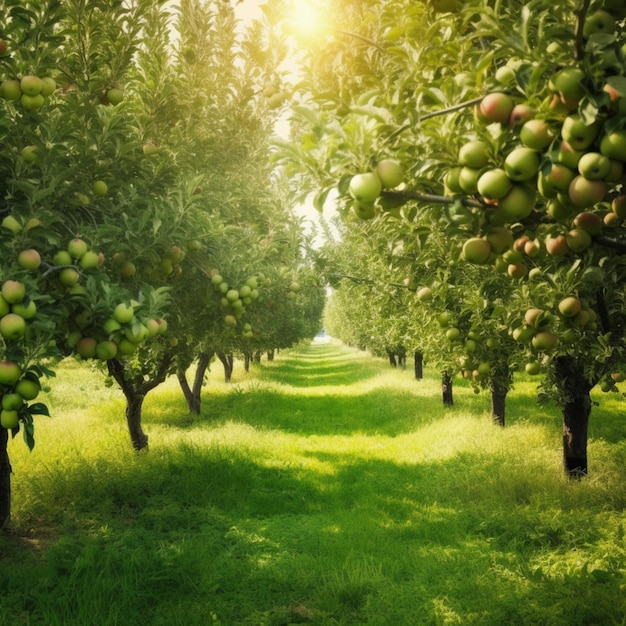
<point x="607" y="242"/>
<point x="432" y="198"/>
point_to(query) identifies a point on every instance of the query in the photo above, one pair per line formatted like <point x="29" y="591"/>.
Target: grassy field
<point x="323" y="488"/>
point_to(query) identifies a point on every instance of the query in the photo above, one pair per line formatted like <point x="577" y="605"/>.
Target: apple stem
<point x="49" y="269"/>
<point x="580" y="41"/>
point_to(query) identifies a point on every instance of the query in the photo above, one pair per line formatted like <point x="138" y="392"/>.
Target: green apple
<point x="365" y="187"/>
<point x="594" y="165"/>
<point x="106" y="350"/>
<point x="62" y="257"/>
<point x="49" y="85"/>
<point x="364" y="210"/>
<point x="468" y="179"/>
<point x="494" y="184"/>
<point x="518" y="203"/>
<point x="390" y="172"/>
<point x="77" y="248"/>
<point x="32" y="103"/>
<point x="536" y="134"/>
<point x="599" y="22"/>
<point x="11" y="224"/>
<point x="522" y="164"/>
<point x="68" y="276"/>
<point x="567" y="82"/>
<point x="149" y="148"/>
<point x="99" y="188"/>
<point x="123" y="313"/>
<point x="10" y="89"/>
<point x="12" y="401"/>
<point x="30" y="154"/>
<point x="126" y="347"/>
<point x="27" y="311"/>
<point x="10" y="372"/>
<point x="532" y="368"/>
<point x="115" y="96"/>
<point x="569" y="306"/>
<point x="568" y="156"/>
<point x="31" y="85"/>
<point x="29" y="259"/>
<point x="89" y="260"/>
<point x="451" y="180"/>
<point x="613" y="145"/>
<point x="86" y="347"/>
<point x="578" y="239"/>
<point x="474" y="154"/>
<point x="476" y="250"/>
<point x="9" y="419"/>
<point x="424" y="294"/>
<point x="577" y="133"/>
<point x="13" y="291"/>
<point x="544" y="341"/>
<point x="585" y="193"/>
<point x="496" y="107"/>
<point x="500" y="239"/>
<point x="554" y="178"/>
<point x="12" y="326"/>
<point x="28" y="388"/>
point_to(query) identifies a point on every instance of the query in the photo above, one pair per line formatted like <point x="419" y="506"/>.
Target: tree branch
<point x="431" y="197"/>
<point x="607" y="242"/>
<point x="580" y="41"/>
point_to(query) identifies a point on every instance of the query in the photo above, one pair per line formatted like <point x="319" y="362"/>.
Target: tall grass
<point x="323" y="488"/>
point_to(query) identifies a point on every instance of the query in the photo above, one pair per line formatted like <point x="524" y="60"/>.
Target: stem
<point x="580" y="42"/>
<point x="431" y="197"/>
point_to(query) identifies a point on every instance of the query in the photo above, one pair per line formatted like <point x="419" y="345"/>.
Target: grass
<point x="323" y="488"/>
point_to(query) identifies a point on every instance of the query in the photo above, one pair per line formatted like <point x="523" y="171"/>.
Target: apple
<point x="533" y="316"/>
<point x="518" y="203"/>
<point x="568" y="156"/>
<point x="476" y="250"/>
<point x="544" y="340"/>
<point x="10" y="89"/>
<point x="505" y="75"/>
<point x="520" y="114"/>
<point x="99" y="188"/>
<point x="578" y="134"/>
<point x="12" y="401"/>
<point x="106" y="350"/>
<point x="496" y="107"/>
<point x="585" y="193"/>
<point x="162" y="326"/>
<point x="13" y="291"/>
<point x="613" y="145"/>
<point x="26" y="311"/>
<point x="594" y="165"/>
<point x="494" y="184"/>
<point x="523" y="334"/>
<point x="532" y="248"/>
<point x="364" y="210"/>
<point x="11" y="224"/>
<point x="10" y="372"/>
<point x="77" y="248"/>
<point x="149" y="148"/>
<point x="424" y="294"/>
<point x="567" y="82"/>
<point x="474" y="154"/>
<point x="390" y="172"/>
<point x="611" y="219"/>
<point x="32" y="103"/>
<point x="578" y="239"/>
<point x="532" y="368"/>
<point x="68" y="276"/>
<point x="557" y="245"/>
<point x="152" y="326"/>
<point x="451" y="180"/>
<point x="452" y="334"/>
<point x="276" y="101"/>
<point x="591" y="222"/>
<point x="517" y="270"/>
<point x="29" y="259"/>
<point x="30" y="154"/>
<point x="126" y="347"/>
<point x="115" y="96"/>
<point x="618" y="206"/>
<point x="12" y="326"/>
<point x="123" y="313"/>
<point x="111" y="325"/>
<point x="9" y="419"/>
<point x="62" y="257"/>
<point x="127" y="269"/>
<point x="48" y="87"/>
<point x="31" y="85"/>
<point x="28" y="388"/>
<point x="230" y="320"/>
<point x="522" y="164"/>
<point x="555" y="178"/>
<point x="86" y="347"/>
<point x="536" y="134"/>
<point x="468" y="179"/>
<point x="4" y="306"/>
<point x="89" y="260"/>
<point x="569" y="306"/>
<point x="366" y="187"/>
<point x="616" y="171"/>
<point x="598" y="22"/>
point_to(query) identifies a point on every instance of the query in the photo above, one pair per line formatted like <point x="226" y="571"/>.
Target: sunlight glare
<point x="306" y="18"/>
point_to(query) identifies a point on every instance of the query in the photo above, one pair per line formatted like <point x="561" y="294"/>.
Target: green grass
<point x="323" y="488"/>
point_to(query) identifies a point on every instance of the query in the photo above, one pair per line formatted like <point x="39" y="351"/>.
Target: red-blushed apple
<point x="10" y="372"/>
<point x="533" y="316"/>
<point x="532" y="248"/>
<point x="585" y="193"/>
<point x="13" y="291"/>
<point x="556" y="245"/>
<point x="520" y="114"/>
<point x="12" y="326"/>
<point x="555" y="178"/>
<point x="569" y="306"/>
<point x="496" y="107"/>
<point x="618" y="206"/>
<point x="568" y="156"/>
<point x="29" y="259"/>
<point x="591" y="222"/>
<point x="578" y="134"/>
<point x="611" y="219"/>
<point x="476" y="250"/>
<point x="77" y="248"/>
<point x="86" y="347"/>
<point x="517" y="270"/>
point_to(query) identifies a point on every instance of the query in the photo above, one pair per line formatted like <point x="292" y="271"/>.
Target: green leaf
<point x="38" y="409"/>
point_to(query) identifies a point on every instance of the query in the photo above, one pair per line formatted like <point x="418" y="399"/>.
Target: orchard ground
<point x="322" y="488"/>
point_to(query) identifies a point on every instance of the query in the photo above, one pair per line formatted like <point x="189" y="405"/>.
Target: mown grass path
<point x="323" y="488"/>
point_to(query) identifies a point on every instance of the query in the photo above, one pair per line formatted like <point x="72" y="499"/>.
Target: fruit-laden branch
<point x="607" y="242"/>
<point x="427" y="116"/>
<point x="431" y="197"/>
<point x="580" y="40"/>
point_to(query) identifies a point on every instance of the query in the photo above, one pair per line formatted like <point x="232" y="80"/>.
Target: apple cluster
<point x="234" y="301"/>
<point x="30" y="91"/>
<point x="274" y="97"/>
<point x="16" y="307"/>
<point x="17" y="388"/>
<point x="365" y="188"/>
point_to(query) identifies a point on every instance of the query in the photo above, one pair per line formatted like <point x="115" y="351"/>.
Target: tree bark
<point x="247" y="357"/>
<point x="576" y="409"/>
<point x="392" y="358"/>
<point x="500" y="385"/>
<point x="134" y="403"/>
<point x="257" y="356"/>
<point x="446" y="389"/>
<point x="418" y="358"/>
<point x="270" y="355"/>
<point x="5" y="478"/>
<point x="193" y="395"/>
<point x="228" y="363"/>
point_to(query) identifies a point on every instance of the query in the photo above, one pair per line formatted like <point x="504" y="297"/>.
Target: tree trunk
<point x="576" y="409"/>
<point x="228" y="363"/>
<point x="247" y="357"/>
<point x="5" y="478"/>
<point x="392" y="358"/>
<point x="270" y="355"/>
<point x="419" y="365"/>
<point x="138" y="438"/>
<point x="193" y="395"/>
<point x="257" y="356"/>
<point x="500" y="386"/>
<point x="446" y="389"/>
<point x="402" y="358"/>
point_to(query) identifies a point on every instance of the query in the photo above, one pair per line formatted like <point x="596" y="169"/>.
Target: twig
<point x="580" y="40"/>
